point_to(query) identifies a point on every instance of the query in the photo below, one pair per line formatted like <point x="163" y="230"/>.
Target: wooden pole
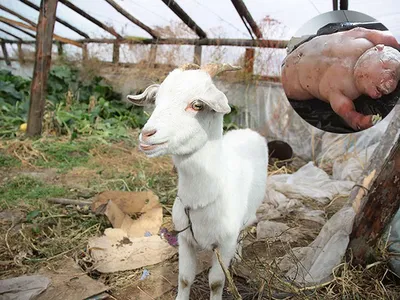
<point x="5" y="53"/>
<point x="247" y="17"/>
<point x="335" y="4"/>
<point x="278" y="44"/>
<point x="185" y="18"/>
<point x="376" y="203"/>
<point x="60" y="49"/>
<point x="344" y="4"/>
<point x="90" y="18"/>
<point x="85" y="55"/>
<point x="197" y="55"/>
<point x="21" y="58"/>
<point x="45" y="29"/>
<point x="116" y="48"/>
<point x="249" y="60"/>
<point x="17" y="15"/>
<point x="10" y="34"/>
<point x="152" y="55"/>
<point x="30" y="27"/>
<point x="20" y="29"/>
<point x="66" y="24"/>
<point x="132" y="18"/>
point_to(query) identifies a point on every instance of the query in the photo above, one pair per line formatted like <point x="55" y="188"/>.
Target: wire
<point x="312" y="3"/>
<point x="145" y="8"/>
<point x="222" y="19"/>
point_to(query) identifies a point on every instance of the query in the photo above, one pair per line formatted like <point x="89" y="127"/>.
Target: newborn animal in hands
<point x="222" y="178"/>
<point x="340" y="67"/>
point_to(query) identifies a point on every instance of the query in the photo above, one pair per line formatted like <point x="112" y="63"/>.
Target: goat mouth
<point x="150" y="147"/>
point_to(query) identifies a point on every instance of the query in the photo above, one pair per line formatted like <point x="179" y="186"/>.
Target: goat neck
<point x="200" y="174"/>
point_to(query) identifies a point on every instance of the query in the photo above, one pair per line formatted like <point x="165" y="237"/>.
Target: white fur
<point x="222" y="178"/>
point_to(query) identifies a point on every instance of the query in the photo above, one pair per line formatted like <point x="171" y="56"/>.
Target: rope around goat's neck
<point x="187" y="212"/>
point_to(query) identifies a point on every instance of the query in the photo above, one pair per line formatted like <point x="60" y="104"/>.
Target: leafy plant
<point x="73" y="106"/>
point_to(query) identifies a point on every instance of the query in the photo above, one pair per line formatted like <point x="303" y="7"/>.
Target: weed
<point x="7" y="161"/>
<point x="64" y="155"/>
<point x="25" y="190"/>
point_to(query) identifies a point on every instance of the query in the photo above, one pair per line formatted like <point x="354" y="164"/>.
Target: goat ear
<point x="217" y="100"/>
<point x="145" y="98"/>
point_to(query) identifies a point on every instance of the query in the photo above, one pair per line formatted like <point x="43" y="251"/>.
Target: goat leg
<point x="187" y="268"/>
<point x="216" y="276"/>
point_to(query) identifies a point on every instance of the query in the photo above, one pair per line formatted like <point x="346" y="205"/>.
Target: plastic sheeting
<point x="347" y="155"/>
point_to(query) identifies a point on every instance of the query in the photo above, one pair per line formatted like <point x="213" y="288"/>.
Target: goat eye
<point x="197" y="105"/>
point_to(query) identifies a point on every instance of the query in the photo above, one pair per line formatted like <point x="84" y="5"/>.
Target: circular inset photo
<point x="341" y="72"/>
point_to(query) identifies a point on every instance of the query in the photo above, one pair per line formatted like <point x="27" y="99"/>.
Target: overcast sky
<point x="209" y="14"/>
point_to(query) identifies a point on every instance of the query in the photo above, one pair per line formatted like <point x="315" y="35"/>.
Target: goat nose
<point x="148" y="133"/>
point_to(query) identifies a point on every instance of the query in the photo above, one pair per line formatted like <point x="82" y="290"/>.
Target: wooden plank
<point x="249" y="60"/>
<point x="115" y="57"/>
<point x="33" y="28"/>
<point x="5" y="53"/>
<point x="277" y="44"/>
<point x="131" y="18"/>
<point x="197" y="55"/>
<point x="21" y="58"/>
<point x="61" y="21"/>
<point x="24" y="31"/>
<point x="17" y="15"/>
<point x="10" y="34"/>
<point x="247" y="17"/>
<point x="376" y="203"/>
<point x="185" y="18"/>
<point x="41" y="69"/>
<point x="90" y="18"/>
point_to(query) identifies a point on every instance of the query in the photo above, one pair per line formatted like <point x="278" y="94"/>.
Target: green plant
<point x="74" y="106"/>
<point x="26" y="189"/>
<point x="229" y="123"/>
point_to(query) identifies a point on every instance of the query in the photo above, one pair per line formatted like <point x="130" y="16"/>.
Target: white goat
<point x="222" y="178"/>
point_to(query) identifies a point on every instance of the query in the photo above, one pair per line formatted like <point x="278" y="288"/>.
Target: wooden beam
<point x="85" y="54"/>
<point x="197" y="55"/>
<point x="45" y="30"/>
<point x="90" y="18"/>
<point x="277" y="44"/>
<point x="5" y="53"/>
<point x="10" y="34"/>
<point x="65" y="23"/>
<point x="152" y="56"/>
<point x="344" y="4"/>
<point x="131" y="18"/>
<point x="20" y="29"/>
<point x="247" y="17"/>
<point x="335" y="4"/>
<point x="21" y="58"/>
<point x="30" y="27"/>
<point x="281" y="44"/>
<point x="249" y="60"/>
<point x="379" y="200"/>
<point x="17" y="15"/>
<point x="115" y="57"/>
<point x="185" y="18"/>
<point x="60" y="48"/>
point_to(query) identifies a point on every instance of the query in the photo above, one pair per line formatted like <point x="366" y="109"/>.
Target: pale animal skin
<point x="222" y="178"/>
<point x="340" y="67"/>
